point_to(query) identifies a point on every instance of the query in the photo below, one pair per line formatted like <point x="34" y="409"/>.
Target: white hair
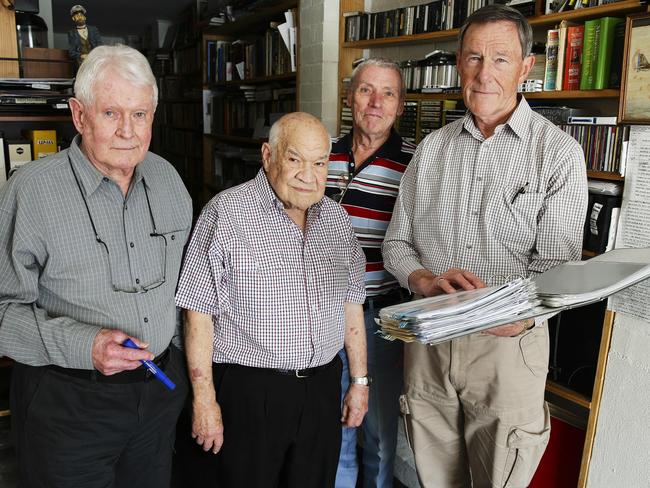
<point x="126" y="61"/>
<point x="276" y="133"/>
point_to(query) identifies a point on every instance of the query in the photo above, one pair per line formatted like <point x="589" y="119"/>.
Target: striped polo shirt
<point x="369" y="198"/>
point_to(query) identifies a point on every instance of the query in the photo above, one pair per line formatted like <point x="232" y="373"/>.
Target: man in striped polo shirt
<point x="365" y="170"/>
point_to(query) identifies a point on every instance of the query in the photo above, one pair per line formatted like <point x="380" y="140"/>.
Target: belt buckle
<point x="298" y="375"/>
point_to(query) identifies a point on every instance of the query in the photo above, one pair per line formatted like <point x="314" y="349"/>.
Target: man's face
<point x="79" y="18"/>
<point x="375" y="101"/>
<point x="491" y="67"/>
<point x="298" y="170"/>
<point x="116" y="129"/>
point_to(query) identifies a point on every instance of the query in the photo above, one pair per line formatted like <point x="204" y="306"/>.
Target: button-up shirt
<point x="276" y="294"/>
<point x="511" y="204"/>
<point x="57" y="282"/>
<point x="370" y="193"/>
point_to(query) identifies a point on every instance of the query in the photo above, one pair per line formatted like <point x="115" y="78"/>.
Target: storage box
<point x="43" y="142"/>
<point x="19" y="153"/>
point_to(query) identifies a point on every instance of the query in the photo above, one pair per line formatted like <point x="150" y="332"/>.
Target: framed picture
<point x="634" y="105"/>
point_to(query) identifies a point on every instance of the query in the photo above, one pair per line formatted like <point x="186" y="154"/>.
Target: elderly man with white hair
<point x="91" y="241"/>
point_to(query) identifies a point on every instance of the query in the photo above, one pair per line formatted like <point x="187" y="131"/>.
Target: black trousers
<point x="279" y="430"/>
<point x="78" y="433"/>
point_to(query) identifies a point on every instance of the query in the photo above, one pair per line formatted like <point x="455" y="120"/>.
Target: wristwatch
<point x="361" y="380"/>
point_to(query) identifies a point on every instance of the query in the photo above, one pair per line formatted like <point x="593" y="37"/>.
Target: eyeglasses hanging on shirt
<point x="126" y="289"/>
<point x="344" y="181"/>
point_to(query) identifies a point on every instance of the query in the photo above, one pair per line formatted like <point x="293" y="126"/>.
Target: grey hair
<point x="126" y="61"/>
<point x="276" y="133"/>
<point x="381" y="63"/>
<point x="497" y="13"/>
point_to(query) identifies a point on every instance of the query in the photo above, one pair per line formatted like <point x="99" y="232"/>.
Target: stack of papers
<point x="441" y="318"/>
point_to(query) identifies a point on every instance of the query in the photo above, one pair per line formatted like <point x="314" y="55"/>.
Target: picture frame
<point x="634" y="102"/>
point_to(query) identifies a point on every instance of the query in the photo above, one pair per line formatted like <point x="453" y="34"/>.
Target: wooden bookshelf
<point x="256" y="81"/>
<point x="260" y="15"/>
<point x="35" y="118"/>
<point x="604" y="175"/>
<point x="610" y="9"/>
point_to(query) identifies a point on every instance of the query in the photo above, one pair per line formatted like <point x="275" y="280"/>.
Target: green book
<point x="604" y="55"/>
<point x="589" y="53"/>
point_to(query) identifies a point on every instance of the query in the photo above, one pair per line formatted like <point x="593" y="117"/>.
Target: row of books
<point x="604" y="145"/>
<point x="186" y="61"/>
<point x="416" y="19"/>
<point x="585" y="56"/>
<point x="179" y="115"/>
<point x="241" y="60"/>
<point x="553" y="6"/>
<point x="247" y="115"/>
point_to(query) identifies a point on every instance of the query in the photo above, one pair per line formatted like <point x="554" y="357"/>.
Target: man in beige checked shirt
<point x="273" y="287"/>
<point x="500" y="192"/>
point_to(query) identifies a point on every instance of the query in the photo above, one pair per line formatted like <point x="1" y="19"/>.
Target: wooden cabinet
<point x="579" y="408"/>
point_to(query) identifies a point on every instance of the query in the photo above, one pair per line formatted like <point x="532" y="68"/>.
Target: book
<point x="550" y="72"/>
<point x="561" y="53"/>
<point x="589" y="52"/>
<point x="573" y="57"/>
<point x="604" y="53"/>
<point x="618" y="47"/>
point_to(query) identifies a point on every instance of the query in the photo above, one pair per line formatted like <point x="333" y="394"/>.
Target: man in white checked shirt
<point x="500" y="192"/>
<point x="273" y="287"/>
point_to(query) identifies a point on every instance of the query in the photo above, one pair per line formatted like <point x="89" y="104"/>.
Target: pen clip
<point x="521" y="191"/>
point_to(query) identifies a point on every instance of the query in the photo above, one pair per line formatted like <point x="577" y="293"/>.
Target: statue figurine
<point x="82" y="39"/>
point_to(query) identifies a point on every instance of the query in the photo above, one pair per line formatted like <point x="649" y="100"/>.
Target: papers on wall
<point x="633" y="229"/>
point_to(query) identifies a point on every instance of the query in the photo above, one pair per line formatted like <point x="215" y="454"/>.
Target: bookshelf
<point x="177" y="123"/>
<point x="578" y="408"/>
<point x="247" y="83"/>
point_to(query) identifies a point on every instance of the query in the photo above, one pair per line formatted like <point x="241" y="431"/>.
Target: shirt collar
<point x="519" y="121"/>
<point x="390" y="149"/>
<point x="90" y="177"/>
<point x="268" y="198"/>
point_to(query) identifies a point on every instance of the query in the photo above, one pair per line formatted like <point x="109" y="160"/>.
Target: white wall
<point x="622" y="443"/>
<point x="319" y="55"/>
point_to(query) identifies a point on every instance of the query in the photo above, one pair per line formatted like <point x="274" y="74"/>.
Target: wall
<point x="319" y="54"/>
<point x="620" y="455"/>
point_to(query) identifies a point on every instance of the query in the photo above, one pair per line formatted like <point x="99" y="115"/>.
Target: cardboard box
<point x="43" y="142"/>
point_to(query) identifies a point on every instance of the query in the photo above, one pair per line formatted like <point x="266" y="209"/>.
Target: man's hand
<point x="424" y="282"/>
<point x="355" y="405"/>
<point x="111" y="357"/>
<point x="511" y="330"/>
<point x="207" y="426"/>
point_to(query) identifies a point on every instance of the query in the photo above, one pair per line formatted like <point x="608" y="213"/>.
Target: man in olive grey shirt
<point x="91" y="241"/>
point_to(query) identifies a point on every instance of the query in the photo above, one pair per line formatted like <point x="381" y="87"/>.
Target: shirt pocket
<point x="512" y="218"/>
<point x="172" y="235"/>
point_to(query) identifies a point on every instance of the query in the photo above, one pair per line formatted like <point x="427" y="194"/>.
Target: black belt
<point x="381" y="301"/>
<point x="133" y="376"/>
<point x="300" y="373"/>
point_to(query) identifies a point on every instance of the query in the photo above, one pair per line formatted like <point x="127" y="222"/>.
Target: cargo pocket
<point x="406" y="412"/>
<point x="525" y="446"/>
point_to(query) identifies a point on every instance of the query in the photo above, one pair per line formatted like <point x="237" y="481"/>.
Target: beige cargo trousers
<point x="474" y="409"/>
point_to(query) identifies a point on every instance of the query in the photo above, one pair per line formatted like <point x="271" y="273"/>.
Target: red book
<point x="573" y="57"/>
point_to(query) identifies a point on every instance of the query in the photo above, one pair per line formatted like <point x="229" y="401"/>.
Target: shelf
<point x="567" y="394"/>
<point x="35" y="118"/>
<point x="179" y="100"/>
<point x="604" y="175"/>
<point x="261" y="16"/>
<point x="255" y="81"/>
<point x="236" y="139"/>
<point x="615" y="9"/>
<point x="589" y="254"/>
<point x="571" y="94"/>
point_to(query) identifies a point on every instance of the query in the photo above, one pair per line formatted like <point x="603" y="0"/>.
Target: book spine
<point x="573" y="58"/>
<point x="550" y="73"/>
<point x="604" y="55"/>
<point x="561" y="51"/>
<point x="589" y="53"/>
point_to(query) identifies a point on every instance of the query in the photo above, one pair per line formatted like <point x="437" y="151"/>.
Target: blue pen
<point x="150" y="365"/>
